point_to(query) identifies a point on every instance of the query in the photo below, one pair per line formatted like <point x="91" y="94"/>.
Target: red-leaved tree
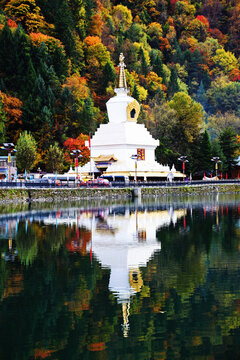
<point x="77" y="144"/>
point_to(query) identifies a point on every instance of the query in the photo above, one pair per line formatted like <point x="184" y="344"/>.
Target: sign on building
<point x="141" y="154"/>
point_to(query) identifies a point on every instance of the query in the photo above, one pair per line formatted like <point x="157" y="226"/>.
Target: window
<point x="132" y="113"/>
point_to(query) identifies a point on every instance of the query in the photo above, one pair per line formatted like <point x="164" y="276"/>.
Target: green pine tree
<point x="144" y="65"/>
<point x="229" y="146"/>
<point x="135" y="92"/>
<point x="205" y="152"/>
<point x="88" y="122"/>
<point x="109" y="75"/>
<point x="7" y="54"/>
<point x="201" y="96"/>
<point x="178" y="56"/>
<point x="158" y="69"/>
<point x="173" y="86"/>
<point x="64" y="28"/>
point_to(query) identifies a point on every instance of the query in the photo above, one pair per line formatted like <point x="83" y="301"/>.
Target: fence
<point x="73" y="184"/>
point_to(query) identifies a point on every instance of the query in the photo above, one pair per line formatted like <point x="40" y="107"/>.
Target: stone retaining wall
<point x="59" y="194"/>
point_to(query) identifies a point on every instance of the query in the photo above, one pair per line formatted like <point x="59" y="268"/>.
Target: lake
<point x="151" y="279"/>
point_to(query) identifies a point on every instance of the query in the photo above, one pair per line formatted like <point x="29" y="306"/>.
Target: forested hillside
<point x="58" y="67"/>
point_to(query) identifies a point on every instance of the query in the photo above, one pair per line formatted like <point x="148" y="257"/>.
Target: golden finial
<point x="122" y="77"/>
<point x="125" y="312"/>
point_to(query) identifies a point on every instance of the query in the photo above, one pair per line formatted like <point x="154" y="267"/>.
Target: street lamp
<point x="217" y="160"/>
<point x="184" y="160"/>
<point x="135" y="157"/>
<point x="77" y="154"/>
<point x="10" y="147"/>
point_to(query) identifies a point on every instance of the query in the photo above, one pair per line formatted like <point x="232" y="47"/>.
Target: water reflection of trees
<point x="187" y="308"/>
<point x="195" y="306"/>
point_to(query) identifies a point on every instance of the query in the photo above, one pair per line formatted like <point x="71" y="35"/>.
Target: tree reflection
<point x="56" y="302"/>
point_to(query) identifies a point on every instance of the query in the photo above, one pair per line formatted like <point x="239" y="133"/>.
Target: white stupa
<point x="123" y="137"/>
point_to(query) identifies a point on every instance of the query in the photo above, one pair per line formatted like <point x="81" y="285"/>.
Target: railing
<point x="73" y="184"/>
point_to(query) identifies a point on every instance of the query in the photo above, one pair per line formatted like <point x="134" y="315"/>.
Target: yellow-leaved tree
<point x="225" y="61"/>
<point x="28" y="14"/>
<point x="189" y="116"/>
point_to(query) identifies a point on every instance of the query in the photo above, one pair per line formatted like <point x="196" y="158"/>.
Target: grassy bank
<point x="60" y="194"/>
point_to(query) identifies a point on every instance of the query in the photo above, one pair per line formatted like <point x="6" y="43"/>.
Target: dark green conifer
<point x="144" y="65"/>
<point x="173" y="86"/>
<point x="46" y="116"/>
<point x="87" y="117"/>
<point x="178" y="56"/>
<point x="135" y="92"/>
<point x="201" y="96"/>
<point x="7" y="52"/>
<point x="109" y="75"/>
<point x="229" y="146"/>
<point x="158" y="69"/>
<point x="30" y="78"/>
<point x="90" y="5"/>
<point x="205" y="152"/>
<point x="194" y="68"/>
<point x="50" y="99"/>
<point x="206" y="80"/>
<point x="64" y="27"/>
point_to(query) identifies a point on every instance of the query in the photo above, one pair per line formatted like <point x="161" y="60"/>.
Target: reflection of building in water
<point x="124" y="244"/>
<point x="127" y="242"/>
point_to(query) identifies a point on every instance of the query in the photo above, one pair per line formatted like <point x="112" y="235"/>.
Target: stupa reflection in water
<point x="124" y="243"/>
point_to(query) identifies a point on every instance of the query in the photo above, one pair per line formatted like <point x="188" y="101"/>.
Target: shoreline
<point x="23" y="195"/>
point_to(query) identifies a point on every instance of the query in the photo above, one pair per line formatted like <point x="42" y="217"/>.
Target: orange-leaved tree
<point x="12" y="107"/>
<point x="77" y="144"/>
<point x="38" y="38"/>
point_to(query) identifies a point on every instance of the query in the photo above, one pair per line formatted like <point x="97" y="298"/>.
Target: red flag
<point x="211" y="175"/>
<point x="226" y="175"/>
<point x="91" y="253"/>
<point x="76" y="162"/>
<point x="89" y="140"/>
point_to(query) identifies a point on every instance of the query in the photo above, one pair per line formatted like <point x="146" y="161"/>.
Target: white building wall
<point x="123" y="152"/>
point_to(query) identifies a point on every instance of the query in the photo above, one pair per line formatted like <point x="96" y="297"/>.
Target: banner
<point x="141" y="154"/>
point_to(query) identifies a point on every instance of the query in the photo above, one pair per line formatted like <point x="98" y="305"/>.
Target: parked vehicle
<point x="120" y="179"/>
<point x="98" y="182"/>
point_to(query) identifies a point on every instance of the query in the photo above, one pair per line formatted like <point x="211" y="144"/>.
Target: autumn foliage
<point x="12" y="108"/>
<point x="76" y="144"/>
<point x="39" y="38"/>
<point x="59" y="64"/>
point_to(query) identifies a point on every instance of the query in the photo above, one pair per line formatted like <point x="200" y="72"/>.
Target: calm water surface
<point x="151" y="280"/>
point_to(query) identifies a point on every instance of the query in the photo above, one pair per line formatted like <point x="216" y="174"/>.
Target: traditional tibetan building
<point x="122" y="147"/>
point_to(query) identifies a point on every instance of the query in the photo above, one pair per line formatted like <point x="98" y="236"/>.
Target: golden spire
<point x="122" y="77"/>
